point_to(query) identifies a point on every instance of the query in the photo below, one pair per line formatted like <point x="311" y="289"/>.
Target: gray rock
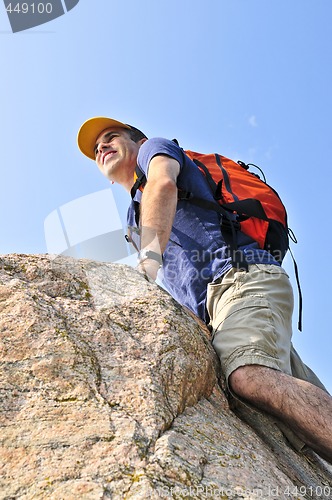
<point x="110" y="390"/>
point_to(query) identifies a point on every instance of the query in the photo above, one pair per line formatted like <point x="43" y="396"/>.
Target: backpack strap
<point x="229" y="225"/>
<point x="229" y="228"/>
<point x="140" y="181"/>
<point x="249" y="207"/>
<point x="213" y="185"/>
<point x="225" y="177"/>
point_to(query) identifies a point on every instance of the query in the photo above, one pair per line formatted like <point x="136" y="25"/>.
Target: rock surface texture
<point x="109" y="390"/>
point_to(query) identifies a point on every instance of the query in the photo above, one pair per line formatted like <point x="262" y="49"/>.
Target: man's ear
<point x="142" y="141"/>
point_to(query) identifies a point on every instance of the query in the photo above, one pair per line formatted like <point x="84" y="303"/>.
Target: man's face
<point x="116" y="155"/>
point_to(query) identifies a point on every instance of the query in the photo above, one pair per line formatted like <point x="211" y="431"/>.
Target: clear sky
<point x="250" y="79"/>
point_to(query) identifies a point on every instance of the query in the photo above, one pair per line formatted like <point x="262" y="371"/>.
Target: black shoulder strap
<point x="213" y="185"/>
<point x="140" y="181"/>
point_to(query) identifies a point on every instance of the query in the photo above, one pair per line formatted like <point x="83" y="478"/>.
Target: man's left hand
<point x="149" y="267"/>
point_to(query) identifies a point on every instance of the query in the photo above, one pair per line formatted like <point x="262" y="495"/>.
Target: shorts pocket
<point x="217" y="290"/>
<point x="245" y="325"/>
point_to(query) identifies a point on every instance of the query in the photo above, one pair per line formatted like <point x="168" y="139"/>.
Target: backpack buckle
<point x="184" y="195"/>
<point x="228" y="224"/>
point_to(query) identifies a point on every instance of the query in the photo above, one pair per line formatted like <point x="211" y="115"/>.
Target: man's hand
<point x="149" y="267"/>
<point x="149" y="262"/>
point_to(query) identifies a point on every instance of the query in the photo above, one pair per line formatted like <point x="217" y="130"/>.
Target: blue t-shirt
<point x="196" y="253"/>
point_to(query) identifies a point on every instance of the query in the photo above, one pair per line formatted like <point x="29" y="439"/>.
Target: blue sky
<point x="249" y="79"/>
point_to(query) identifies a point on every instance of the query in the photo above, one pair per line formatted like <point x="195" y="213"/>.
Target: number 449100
<point x="32" y="8"/>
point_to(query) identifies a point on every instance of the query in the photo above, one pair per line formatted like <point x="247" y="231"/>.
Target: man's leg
<point x="251" y="316"/>
<point x="305" y="408"/>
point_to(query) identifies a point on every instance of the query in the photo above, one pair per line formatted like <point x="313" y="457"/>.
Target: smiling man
<point x="249" y="309"/>
<point x="115" y="152"/>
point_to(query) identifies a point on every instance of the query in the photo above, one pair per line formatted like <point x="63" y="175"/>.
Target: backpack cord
<point x="247" y="165"/>
<point x="297" y="277"/>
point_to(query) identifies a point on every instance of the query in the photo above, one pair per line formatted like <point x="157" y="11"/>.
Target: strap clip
<point x="230" y="225"/>
<point x="184" y="195"/>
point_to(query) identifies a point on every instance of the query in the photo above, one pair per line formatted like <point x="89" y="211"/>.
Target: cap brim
<point x="89" y="131"/>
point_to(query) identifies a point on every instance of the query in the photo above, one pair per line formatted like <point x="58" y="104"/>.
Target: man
<point x="250" y="311"/>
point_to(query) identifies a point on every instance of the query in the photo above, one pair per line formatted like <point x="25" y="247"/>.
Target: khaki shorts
<point x="251" y="316"/>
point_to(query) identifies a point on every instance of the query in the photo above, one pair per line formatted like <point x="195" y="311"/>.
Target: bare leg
<point x="305" y="408"/>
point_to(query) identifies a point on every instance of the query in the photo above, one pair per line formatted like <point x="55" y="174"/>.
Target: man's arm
<point x="158" y="208"/>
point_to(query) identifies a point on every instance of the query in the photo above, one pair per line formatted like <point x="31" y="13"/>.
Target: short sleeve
<point x="158" y="146"/>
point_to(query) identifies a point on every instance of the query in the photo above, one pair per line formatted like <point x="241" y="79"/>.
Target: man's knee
<point x="246" y="381"/>
<point x="238" y="381"/>
<point x="260" y="385"/>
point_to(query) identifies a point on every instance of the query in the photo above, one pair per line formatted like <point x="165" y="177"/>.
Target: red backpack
<point x="256" y="207"/>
